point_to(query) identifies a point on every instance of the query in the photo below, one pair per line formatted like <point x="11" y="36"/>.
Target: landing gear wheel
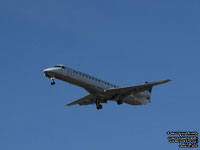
<point x="120" y="102"/>
<point x="99" y="106"/>
<point x="52" y="82"/>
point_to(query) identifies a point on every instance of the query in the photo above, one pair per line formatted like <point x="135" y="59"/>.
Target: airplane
<point x="101" y="91"/>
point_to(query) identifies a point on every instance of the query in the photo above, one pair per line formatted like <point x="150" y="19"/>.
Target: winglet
<point x="165" y="81"/>
<point x="169" y="80"/>
<point x="159" y="82"/>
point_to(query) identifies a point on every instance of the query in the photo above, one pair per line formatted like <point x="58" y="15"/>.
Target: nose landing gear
<point x="52" y="81"/>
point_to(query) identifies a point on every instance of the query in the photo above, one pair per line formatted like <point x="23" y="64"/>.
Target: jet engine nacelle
<point x="143" y="94"/>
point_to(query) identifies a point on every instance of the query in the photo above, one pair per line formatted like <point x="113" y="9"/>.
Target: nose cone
<point x="49" y="72"/>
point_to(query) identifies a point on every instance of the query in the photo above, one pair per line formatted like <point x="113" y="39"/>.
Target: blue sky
<point x="125" y="42"/>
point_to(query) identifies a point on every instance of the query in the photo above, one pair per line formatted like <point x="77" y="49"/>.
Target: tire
<point x="52" y="83"/>
<point x="99" y="106"/>
<point x="119" y="102"/>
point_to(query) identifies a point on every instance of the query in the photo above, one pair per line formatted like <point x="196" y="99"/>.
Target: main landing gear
<point x="98" y="105"/>
<point x="119" y="102"/>
<point x="52" y="81"/>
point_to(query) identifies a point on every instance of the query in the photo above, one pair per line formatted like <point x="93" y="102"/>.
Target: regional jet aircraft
<point x="101" y="91"/>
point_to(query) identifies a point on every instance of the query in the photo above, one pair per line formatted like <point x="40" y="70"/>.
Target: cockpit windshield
<point x="60" y="66"/>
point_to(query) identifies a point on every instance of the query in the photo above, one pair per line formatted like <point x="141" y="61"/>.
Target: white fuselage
<point x="92" y="84"/>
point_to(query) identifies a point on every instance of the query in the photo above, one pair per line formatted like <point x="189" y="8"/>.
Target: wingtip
<point x="168" y="80"/>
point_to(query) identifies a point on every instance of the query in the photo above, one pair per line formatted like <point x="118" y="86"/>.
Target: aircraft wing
<point x="125" y="91"/>
<point x="86" y="100"/>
